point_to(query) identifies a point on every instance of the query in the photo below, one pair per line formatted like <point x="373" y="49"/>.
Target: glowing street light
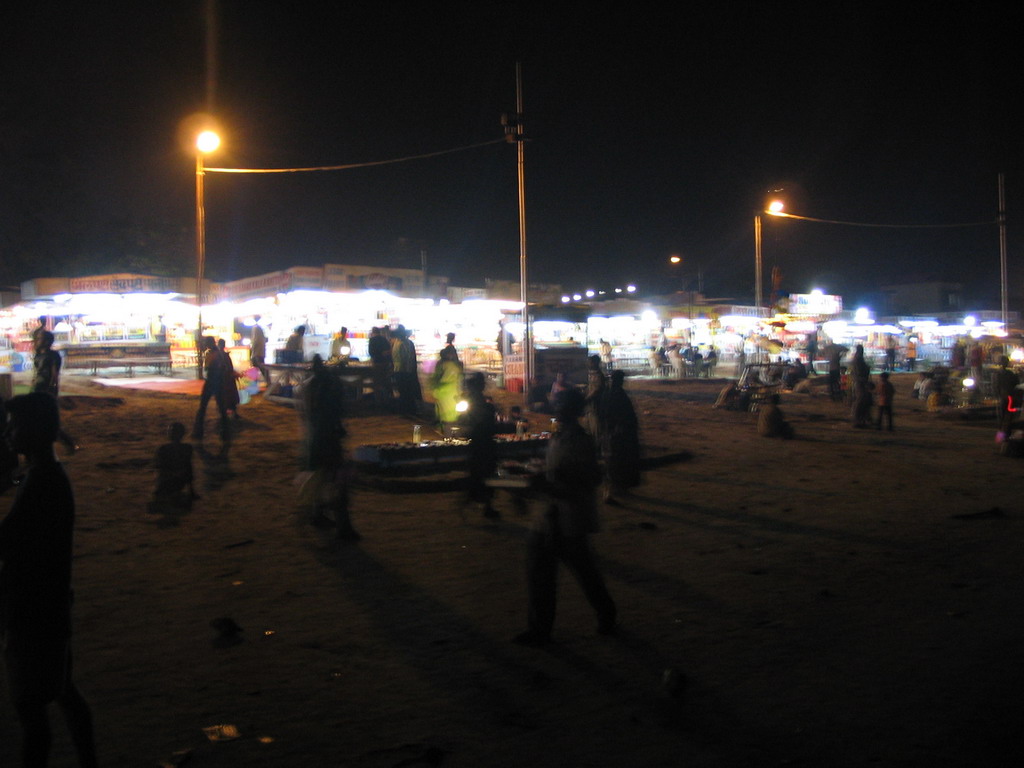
<point x="206" y="142"/>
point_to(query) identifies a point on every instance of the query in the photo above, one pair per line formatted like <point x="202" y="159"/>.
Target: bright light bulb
<point x="207" y="141"/>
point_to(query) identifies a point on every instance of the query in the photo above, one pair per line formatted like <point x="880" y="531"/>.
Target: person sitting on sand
<point x="174" y="469"/>
<point x="771" y="422"/>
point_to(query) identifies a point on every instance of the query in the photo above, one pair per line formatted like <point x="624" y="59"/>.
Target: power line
<point x="350" y="166"/>
<point x="784" y="215"/>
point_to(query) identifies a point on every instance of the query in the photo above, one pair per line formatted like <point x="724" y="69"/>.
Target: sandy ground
<point x="846" y="598"/>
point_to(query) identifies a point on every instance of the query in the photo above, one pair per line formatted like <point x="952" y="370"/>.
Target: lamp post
<point x="206" y="142"/>
<point x="775" y="209"/>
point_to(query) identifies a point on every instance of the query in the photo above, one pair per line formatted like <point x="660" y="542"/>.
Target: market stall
<point x="109" y="321"/>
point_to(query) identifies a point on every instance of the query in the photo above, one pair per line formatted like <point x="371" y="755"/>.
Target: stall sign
<point x="259" y="286"/>
<point x="125" y="283"/>
<point x="306" y="278"/>
<point x="815" y="304"/>
<point x="117" y="351"/>
<point x="407" y="282"/>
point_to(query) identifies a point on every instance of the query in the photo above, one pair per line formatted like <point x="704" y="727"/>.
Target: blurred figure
<point x="446" y="388"/>
<point x="561" y="533"/>
<point x="379" y="349"/>
<point x="860" y="383"/>
<point x="558" y="388"/>
<point x="480" y="423"/>
<point x="597" y="385"/>
<point x="35" y="587"/>
<point x="341" y="348"/>
<point x="771" y="422"/>
<point x="621" y="447"/>
<point x="405" y="371"/>
<point x="1008" y="394"/>
<point x="258" y="350"/>
<point x="323" y="411"/>
<point x="883" y="398"/>
<point x="293" y="347"/>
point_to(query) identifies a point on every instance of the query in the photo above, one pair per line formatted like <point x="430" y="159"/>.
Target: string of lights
<point x="350" y="166"/>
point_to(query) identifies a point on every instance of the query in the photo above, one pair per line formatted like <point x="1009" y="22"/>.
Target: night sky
<point x="651" y="133"/>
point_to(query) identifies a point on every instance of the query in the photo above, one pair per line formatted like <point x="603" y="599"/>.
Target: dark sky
<point x="651" y="133"/>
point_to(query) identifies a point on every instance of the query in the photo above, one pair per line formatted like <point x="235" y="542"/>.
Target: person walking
<point x="36" y="540"/>
<point x="258" y="350"/>
<point x="562" y="530"/>
<point x="213" y="387"/>
<point x="324" y="454"/>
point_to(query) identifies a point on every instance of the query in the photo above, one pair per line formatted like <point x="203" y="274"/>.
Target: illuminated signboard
<point x="814" y="304"/>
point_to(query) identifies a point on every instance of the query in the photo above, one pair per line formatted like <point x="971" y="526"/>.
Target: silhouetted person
<point x="174" y="469"/>
<point x="379" y="349"/>
<point x="8" y="456"/>
<point x="323" y="402"/>
<point x="860" y="383"/>
<point x="561" y="533"/>
<point x="213" y="387"/>
<point x="621" y="440"/>
<point x="406" y="372"/>
<point x="293" y="346"/>
<point x="46" y="378"/>
<point x="229" y="382"/>
<point x="449" y="345"/>
<point x="480" y="423"/>
<point x="35" y="587"/>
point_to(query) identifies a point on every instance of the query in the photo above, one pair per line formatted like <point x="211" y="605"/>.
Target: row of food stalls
<point x="634" y="329"/>
<point x="135" y="316"/>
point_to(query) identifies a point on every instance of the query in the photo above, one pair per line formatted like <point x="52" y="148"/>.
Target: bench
<point x="93" y="364"/>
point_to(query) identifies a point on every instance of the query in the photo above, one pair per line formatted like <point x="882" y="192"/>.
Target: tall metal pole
<point x="1001" y="218"/>
<point x="758" y="297"/>
<point x="527" y="330"/>
<point x="200" y="259"/>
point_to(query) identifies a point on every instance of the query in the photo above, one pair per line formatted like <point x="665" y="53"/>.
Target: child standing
<point x="884" y="397"/>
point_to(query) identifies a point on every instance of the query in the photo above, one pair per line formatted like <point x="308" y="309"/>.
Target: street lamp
<point x="206" y="142"/>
